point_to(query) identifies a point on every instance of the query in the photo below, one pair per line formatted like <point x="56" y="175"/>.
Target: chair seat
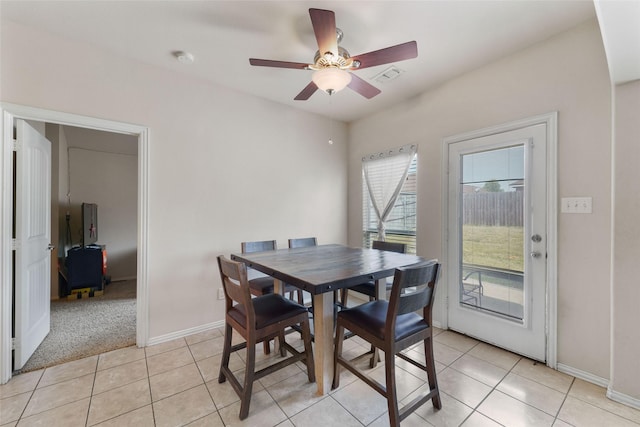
<point x="262" y="285"/>
<point x="372" y="317"/>
<point x="269" y="309"/>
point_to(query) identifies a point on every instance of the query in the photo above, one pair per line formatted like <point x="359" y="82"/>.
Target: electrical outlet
<point x="220" y="293"/>
<point x="576" y="205"/>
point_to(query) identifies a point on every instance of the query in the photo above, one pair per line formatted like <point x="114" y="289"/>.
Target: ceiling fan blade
<point x="306" y="92"/>
<point x="278" y="64"/>
<point x="390" y="54"/>
<point x="324" y="26"/>
<point x="362" y="87"/>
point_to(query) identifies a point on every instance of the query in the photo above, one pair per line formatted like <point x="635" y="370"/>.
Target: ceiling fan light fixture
<point x="331" y="79"/>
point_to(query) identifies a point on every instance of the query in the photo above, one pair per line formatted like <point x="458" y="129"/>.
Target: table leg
<point x="381" y="289"/>
<point x="278" y="286"/>
<point x="323" y="336"/>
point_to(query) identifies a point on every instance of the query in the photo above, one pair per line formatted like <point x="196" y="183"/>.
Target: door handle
<point x="50" y="247"/>
<point x="536" y="254"/>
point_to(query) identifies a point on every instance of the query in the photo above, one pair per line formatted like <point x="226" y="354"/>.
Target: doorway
<point x="11" y="112"/>
<point x="501" y="236"/>
<point x="93" y="203"/>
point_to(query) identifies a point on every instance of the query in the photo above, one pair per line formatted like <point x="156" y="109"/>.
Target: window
<point x="391" y="178"/>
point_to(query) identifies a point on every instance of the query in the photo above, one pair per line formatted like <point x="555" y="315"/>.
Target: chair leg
<point x="266" y="348"/>
<point x="337" y="353"/>
<point x="245" y="399"/>
<point x="226" y="352"/>
<point x="392" y="395"/>
<point x="375" y="357"/>
<point x="431" y="372"/>
<point x="344" y="298"/>
<point x="308" y="349"/>
<point x="283" y="351"/>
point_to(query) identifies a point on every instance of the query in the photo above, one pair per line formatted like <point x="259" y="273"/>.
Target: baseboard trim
<point x="625" y="399"/>
<point x="583" y="375"/>
<point x="184" y="333"/>
<point x="123" y="278"/>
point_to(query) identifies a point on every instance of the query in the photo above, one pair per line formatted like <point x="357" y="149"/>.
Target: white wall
<point x="224" y="166"/>
<point x="568" y="74"/>
<point x="625" y="346"/>
<point x="110" y="181"/>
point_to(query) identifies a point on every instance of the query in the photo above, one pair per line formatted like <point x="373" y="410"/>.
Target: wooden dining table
<point x="321" y="270"/>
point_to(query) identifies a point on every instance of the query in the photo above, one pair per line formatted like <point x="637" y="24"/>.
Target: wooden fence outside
<point x="493" y="208"/>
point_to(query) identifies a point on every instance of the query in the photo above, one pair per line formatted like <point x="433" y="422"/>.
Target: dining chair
<point x="369" y="288"/>
<point x="261" y="284"/>
<point x="394" y="326"/>
<point x="258" y="319"/>
<point x="471" y="287"/>
<point x="303" y="242"/>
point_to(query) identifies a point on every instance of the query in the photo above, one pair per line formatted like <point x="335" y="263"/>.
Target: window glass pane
<point x="401" y="225"/>
<point x="494" y="165"/>
<point x="492" y="268"/>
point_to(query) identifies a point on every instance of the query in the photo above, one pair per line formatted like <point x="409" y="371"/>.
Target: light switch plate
<point x="576" y="205"/>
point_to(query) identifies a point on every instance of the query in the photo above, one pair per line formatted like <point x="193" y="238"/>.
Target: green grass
<point x="496" y="247"/>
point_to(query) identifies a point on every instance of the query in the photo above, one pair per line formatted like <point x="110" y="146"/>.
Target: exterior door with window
<point x="497" y="239"/>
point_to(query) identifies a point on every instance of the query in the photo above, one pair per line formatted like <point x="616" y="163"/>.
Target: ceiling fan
<point x="332" y="63"/>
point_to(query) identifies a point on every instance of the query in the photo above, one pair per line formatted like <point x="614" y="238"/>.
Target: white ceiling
<point x="453" y="37"/>
<point x="620" y="28"/>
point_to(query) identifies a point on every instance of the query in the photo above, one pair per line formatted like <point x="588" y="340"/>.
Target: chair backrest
<point x="303" y="242"/>
<point x="421" y="278"/>
<point x="261" y="246"/>
<point x="236" y="287"/>
<point x="389" y="246"/>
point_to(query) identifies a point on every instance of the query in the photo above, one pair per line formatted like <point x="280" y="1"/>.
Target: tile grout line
<point x="93" y="385"/>
<point x="30" y="397"/>
<point x="204" y="383"/>
<point x="495" y="388"/>
<point x="146" y="363"/>
<point x="566" y="395"/>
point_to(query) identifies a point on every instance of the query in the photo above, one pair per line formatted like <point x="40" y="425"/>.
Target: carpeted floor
<point x="89" y="326"/>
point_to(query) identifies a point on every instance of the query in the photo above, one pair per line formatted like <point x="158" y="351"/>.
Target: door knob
<point x="536" y="238"/>
<point x="535" y="254"/>
<point x="50" y="247"/>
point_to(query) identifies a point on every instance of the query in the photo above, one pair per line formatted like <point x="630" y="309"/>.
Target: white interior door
<point x="33" y="234"/>
<point x="497" y="239"/>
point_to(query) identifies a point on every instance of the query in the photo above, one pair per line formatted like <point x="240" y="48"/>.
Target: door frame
<point x="14" y="111"/>
<point x="550" y="120"/>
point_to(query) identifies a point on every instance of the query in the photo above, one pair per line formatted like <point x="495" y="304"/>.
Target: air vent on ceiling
<point x="387" y="75"/>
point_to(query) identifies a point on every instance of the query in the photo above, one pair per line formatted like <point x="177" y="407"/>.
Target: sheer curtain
<point x="384" y="175"/>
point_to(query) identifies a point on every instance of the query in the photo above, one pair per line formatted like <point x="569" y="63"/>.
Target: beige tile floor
<point x="175" y="384"/>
